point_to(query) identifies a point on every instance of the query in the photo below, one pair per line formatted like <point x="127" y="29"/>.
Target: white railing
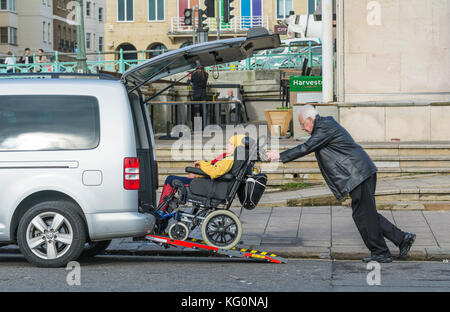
<point x="236" y="24"/>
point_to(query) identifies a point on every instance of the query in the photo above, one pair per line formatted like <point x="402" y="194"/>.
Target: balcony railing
<point x="236" y="24"/>
<point x="122" y="63"/>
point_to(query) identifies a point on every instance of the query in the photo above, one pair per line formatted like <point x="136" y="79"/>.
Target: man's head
<point x="27" y="51"/>
<point x="230" y="93"/>
<point x="306" y="117"/>
<point x="40" y="51"/>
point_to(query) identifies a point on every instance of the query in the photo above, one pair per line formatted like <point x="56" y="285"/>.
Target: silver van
<point x="77" y="156"/>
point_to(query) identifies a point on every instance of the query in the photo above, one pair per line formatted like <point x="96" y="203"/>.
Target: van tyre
<point x="92" y="249"/>
<point x="51" y="234"/>
<point x="222" y="229"/>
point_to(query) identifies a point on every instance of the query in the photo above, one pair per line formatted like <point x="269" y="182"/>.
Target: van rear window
<point x="48" y="122"/>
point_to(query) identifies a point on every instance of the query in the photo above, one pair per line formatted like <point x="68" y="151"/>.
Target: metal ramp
<point x="234" y="252"/>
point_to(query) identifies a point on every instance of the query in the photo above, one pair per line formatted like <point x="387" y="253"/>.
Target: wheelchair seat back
<point x="219" y="189"/>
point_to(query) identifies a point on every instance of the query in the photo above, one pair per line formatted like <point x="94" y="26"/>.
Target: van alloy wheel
<point x="52" y="233"/>
<point x="49" y="235"/>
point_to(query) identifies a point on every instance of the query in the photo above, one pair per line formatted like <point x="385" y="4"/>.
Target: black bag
<point x="251" y="191"/>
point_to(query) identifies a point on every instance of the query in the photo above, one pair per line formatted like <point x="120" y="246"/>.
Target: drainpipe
<point x="327" y="51"/>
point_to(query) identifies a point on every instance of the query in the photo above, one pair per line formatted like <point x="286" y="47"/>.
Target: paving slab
<point x="302" y="232"/>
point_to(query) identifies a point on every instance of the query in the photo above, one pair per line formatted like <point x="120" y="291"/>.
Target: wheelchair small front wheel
<point x="178" y="231"/>
<point x="222" y="229"/>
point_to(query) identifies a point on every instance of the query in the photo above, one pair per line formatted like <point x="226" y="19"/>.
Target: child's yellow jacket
<point x="219" y="168"/>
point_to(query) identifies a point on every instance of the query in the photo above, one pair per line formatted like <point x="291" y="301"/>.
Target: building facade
<point x="35" y="25"/>
<point x="9" y="25"/>
<point x="159" y="24"/>
<point x="393" y="69"/>
<point x="94" y="25"/>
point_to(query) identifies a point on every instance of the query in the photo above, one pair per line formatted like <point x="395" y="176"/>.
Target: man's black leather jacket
<point x="343" y="163"/>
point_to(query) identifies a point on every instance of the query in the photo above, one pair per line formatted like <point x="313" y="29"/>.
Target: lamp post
<point x="81" y="41"/>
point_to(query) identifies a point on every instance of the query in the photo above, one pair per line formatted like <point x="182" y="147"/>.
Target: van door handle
<point x="38" y="164"/>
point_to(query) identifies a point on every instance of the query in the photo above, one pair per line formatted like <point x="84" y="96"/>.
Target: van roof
<point x="57" y="86"/>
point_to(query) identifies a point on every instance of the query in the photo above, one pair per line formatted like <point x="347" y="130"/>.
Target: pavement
<point x="322" y="232"/>
<point x="326" y="232"/>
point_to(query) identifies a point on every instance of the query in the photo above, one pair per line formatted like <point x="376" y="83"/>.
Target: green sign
<point x="305" y="84"/>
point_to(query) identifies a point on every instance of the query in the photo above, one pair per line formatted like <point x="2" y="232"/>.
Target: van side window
<point x="48" y="122"/>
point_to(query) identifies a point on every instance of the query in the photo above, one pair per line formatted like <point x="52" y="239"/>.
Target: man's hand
<point x="272" y="156"/>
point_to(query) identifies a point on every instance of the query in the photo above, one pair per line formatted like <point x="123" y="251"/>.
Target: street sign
<point x="305" y="84"/>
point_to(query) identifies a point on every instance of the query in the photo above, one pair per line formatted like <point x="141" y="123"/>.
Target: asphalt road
<point x="175" y="274"/>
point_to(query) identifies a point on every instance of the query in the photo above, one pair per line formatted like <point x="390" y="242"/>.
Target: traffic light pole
<point x="81" y="41"/>
<point x="218" y="18"/>
<point x="194" y="33"/>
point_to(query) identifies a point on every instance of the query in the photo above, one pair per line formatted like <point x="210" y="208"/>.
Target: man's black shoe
<point x="379" y="258"/>
<point x="406" y="244"/>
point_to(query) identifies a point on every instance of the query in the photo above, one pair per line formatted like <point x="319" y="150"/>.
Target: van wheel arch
<point x="39" y="197"/>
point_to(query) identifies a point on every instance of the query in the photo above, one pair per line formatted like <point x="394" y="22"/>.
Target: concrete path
<point x="318" y="232"/>
<point x="326" y="232"/>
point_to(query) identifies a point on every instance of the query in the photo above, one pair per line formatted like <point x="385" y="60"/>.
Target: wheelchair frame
<point x="187" y="222"/>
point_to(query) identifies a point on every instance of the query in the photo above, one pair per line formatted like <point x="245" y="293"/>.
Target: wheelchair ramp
<point x="235" y="252"/>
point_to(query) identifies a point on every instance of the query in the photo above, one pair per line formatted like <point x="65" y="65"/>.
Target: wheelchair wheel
<point x="178" y="231"/>
<point x="222" y="229"/>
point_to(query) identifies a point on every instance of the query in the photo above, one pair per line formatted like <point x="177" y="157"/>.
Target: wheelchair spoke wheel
<point x="222" y="229"/>
<point x="178" y="231"/>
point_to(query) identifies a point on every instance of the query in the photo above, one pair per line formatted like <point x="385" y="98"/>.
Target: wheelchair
<point x="209" y="200"/>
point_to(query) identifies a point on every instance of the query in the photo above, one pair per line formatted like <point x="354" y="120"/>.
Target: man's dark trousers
<point x="372" y="226"/>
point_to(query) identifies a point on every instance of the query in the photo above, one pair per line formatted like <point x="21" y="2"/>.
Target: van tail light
<point x="131" y="176"/>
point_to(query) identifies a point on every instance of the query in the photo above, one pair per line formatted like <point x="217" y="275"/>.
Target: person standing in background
<point x="199" y="81"/>
<point x="10" y="61"/>
<point x="40" y="59"/>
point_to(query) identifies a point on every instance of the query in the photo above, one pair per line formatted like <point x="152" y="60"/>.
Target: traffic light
<point x="201" y="20"/>
<point x="227" y="8"/>
<point x="209" y="7"/>
<point x="188" y="17"/>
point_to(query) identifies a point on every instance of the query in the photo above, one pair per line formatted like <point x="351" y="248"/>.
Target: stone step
<point x="314" y="175"/>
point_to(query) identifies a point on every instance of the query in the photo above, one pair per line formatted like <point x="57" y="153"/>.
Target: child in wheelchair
<point x="209" y="190"/>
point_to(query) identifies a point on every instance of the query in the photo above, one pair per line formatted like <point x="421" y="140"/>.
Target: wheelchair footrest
<point x="233" y="252"/>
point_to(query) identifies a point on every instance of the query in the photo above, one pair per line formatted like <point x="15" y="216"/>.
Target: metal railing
<point x="122" y="62"/>
<point x="236" y="24"/>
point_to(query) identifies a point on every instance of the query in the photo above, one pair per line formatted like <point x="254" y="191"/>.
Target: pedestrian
<point x="199" y="81"/>
<point x="40" y="59"/>
<point x="9" y="60"/>
<point x="235" y="107"/>
<point x="347" y="169"/>
<point x="27" y="58"/>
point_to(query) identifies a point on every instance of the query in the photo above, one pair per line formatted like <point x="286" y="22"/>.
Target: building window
<point x="49" y="33"/>
<point x="88" y="40"/>
<point x="4" y="35"/>
<point x="43" y="31"/>
<point x="125" y="10"/>
<point x="283" y="8"/>
<point x="100" y="44"/>
<point x="100" y="14"/>
<point x="8" y="35"/>
<point x="156" y="49"/>
<point x="156" y="10"/>
<point x="13" y="35"/>
<point x="8" y="5"/>
<point x="88" y="9"/>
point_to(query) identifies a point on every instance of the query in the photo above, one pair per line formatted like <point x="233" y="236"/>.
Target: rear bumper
<point x="105" y="226"/>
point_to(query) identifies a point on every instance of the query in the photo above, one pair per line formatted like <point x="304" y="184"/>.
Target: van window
<point x="48" y="122"/>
